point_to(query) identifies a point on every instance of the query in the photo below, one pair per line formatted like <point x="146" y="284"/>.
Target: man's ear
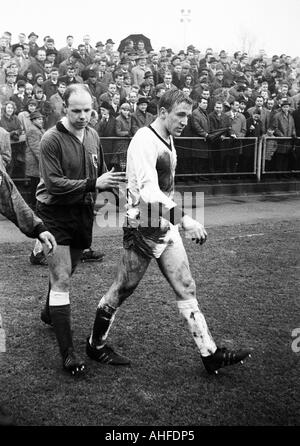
<point x="163" y="112"/>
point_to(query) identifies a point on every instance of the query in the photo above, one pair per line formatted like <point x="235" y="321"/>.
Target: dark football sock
<point x="103" y="320"/>
<point x="61" y="321"/>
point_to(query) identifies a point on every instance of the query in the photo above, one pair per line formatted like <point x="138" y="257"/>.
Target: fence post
<point x="259" y="157"/>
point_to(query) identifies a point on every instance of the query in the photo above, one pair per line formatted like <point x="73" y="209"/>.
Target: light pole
<point x="185" y="19"/>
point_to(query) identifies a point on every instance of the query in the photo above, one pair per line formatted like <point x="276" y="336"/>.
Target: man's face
<point x="154" y="59"/>
<point x="143" y="107"/>
<point x="54" y="75"/>
<point x="248" y="92"/>
<point x="178" y="69"/>
<point x="115" y="99"/>
<point x="70" y="72"/>
<point x="120" y="80"/>
<point x="81" y="50"/>
<point x="9" y="109"/>
<point x="176" y="119"/>
<point x="133" y="97"/>
<point x="168" y="78"/>
<point x="203" y="104"/>
<point x="112" y="88"/>
<point x="47" y="67"/>
<point x="18" y="52"/>
<point x="256" y="116"/>
<point x="28" y="89"/>
<point x="270" y="104"/>
<point x="233" y="65"/>
<point x="235" y="106"/>
<point x="21" y="89"/>
<point x="31" y="108"/>
<point x="78" y="110"/>
<point x="41" y="55"/>
<point x="61" y="89"/>
<point x="285" y="108"/>
<point x="205" y="94"/>
<point x="32" y="39"/>
<point x="38" y="122"/>
<point x="218" y="108"/>
<point x="140" y="45"/>
<point x="51" y="58"/>
<point x="284" y="89"/>
<point x="142" y="62"/>
<point x="26" y="49"/>
<point x="102" y="66"/>
<point x="70" y="41"/>
<point x="11" y="79"/>
<point x="86" y="39"/>
<point x="186" y="91"/>
<point x="259" y="102"/>
<point x="125" y="112"/>
<point x="22" y="38"/>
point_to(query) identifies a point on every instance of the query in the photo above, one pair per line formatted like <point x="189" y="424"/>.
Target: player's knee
<point x="61" y="281"/>
<point x="189" y="287"/>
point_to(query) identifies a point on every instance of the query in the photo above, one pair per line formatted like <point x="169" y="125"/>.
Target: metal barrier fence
<point x="280" y="155"/>
<point x="197" y="157"/>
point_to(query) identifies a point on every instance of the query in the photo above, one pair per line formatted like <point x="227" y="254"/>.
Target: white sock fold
<point x="58" y="298"/>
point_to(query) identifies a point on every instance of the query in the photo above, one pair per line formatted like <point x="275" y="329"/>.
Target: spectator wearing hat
<point x="138" y="72"/>
<point x="66" y="51"/>
<point x="32" y="153"/>
<point x="24" y="116"/>
<point x="18" y="57"/>
<point x="109" y="48"/>
<point x="218" y="80"/>
<point x="141" y="117"/>
<point x="32" y="42"/>
<point x="19" y="97"/>
<point x="100" y="49"/>
<point x="246" y="95"/>
<point x="123" y="129"/>
<point x="43" y="106"/>
<point x="163" y="53"/>
<point x="145" y="90"/>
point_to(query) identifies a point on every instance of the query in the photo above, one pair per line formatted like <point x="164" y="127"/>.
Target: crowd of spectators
<point x="244" y="96"/>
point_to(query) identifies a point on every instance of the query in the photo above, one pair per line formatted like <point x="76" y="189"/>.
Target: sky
<point x="220" y="24"/>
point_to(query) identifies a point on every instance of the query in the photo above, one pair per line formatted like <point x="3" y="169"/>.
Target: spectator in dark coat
<point x="141" y="118"/>
<point x="106" y="129"/>
<point x="123" y="129"/>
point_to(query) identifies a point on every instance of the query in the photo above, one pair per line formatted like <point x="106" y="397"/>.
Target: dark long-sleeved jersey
<point x="68" y="168"/>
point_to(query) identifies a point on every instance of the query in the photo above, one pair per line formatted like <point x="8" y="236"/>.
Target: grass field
<point x="248" y="288"/>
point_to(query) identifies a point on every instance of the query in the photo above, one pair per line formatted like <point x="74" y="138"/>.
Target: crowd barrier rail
<point x="196" y="157"/>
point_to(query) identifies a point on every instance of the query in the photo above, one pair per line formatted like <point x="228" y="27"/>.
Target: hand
<point x="48" y="241"/>
<point x="194" y="230"/>
<point x="110" y="179"/>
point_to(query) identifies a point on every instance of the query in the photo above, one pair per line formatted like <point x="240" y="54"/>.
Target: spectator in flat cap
<point x="32" y="42"/>
<point x="141" y="118"/>
<point x="32" y="153"/>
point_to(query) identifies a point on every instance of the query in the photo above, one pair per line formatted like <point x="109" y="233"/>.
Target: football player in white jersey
<point x="151" y="230"/>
